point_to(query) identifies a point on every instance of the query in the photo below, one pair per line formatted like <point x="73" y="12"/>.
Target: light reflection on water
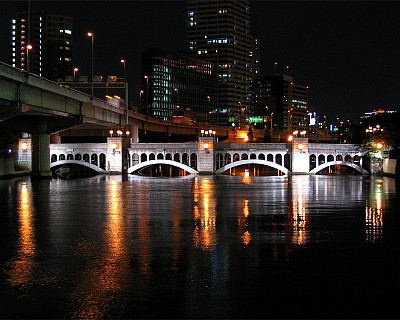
<point x="202" y="246"/>
<point x="20" y="271"/>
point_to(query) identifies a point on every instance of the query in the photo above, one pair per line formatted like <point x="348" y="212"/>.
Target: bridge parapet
<point x="252" y="146"/>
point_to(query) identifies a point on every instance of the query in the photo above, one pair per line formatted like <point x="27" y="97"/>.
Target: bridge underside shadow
<point x="254" y="162"/>
<point x="342" y="163"/>
<point x="138" y="167"/>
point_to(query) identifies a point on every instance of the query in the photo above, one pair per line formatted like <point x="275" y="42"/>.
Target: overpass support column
<point x="134" y="130"/>
<point x="41" y="151"/>
<point x="205" y="161"/>
<point x="300" y="156"/>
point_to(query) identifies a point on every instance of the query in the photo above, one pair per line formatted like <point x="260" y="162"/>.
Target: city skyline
<point x="311" y="37"/>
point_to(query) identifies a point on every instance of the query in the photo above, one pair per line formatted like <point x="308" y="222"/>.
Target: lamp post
<point x="75" y="71"/>
<point x="141" y="98"/>
<point x="28" y="63"/>
<point x="147" y="95"/>
<point x="91" y="34"/>
<point x="123" y="61"/>
<point x="209" y="108"/>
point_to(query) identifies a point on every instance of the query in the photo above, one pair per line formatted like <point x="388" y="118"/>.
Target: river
<point x="200" y="247"/>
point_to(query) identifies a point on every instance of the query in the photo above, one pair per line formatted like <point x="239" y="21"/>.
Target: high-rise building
<point x="176" y="85"/>
<point x="41" y="43"/>
<point x="283" y="102"/>
<point x="220" y="31"/>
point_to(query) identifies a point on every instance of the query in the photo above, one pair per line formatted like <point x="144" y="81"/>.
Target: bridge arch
<point x="252" y="161"/>
<point x="161" y="161"/>
<point x="78" y="162"/>
<point x="339" y="162"/>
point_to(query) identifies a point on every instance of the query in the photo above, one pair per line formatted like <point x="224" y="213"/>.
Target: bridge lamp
<point x="202" y="132"/>
<point x="111" y="132"/>
<point x="119" y="132"/>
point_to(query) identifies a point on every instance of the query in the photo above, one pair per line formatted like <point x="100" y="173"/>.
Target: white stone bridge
<point x="204" y="156"/>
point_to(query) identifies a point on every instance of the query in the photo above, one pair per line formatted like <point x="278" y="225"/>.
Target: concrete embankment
<point x="7" y="169"/>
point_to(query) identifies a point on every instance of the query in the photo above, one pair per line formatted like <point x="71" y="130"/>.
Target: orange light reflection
<point x="21" y="267"/>
<point x="104" y="279"/>
<point x="204" y="233"/>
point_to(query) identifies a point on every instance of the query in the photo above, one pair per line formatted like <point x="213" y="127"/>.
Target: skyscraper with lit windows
<point x="176" y="85"/>
<point x="220" y="31"/>
<point x="42" y="44"/>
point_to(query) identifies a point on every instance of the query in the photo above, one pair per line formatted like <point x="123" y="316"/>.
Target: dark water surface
<point x="200" y="247"/>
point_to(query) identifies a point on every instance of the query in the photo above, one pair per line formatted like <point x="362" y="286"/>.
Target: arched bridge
<point x="206" y="156"/>
<point x="138" y="167"/>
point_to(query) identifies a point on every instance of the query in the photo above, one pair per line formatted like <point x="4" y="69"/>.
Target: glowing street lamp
<point x="91" y="35"/>
<point x="28" y="64"/>
<point x="147" y="95"/>
<point x="75" y="71"/>
<point x="123" y="61"/>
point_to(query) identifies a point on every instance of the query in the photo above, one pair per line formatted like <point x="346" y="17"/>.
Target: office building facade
<point x="41" y="43"/>
<point x="176" y="85"/>
<point x="283" y="102"/>
<point x="220" y="32"/>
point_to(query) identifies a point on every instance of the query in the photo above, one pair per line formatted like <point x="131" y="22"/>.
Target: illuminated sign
<point x="255" y="120"/>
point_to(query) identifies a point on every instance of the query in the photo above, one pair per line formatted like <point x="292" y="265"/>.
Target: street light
<point x="176" y="95"/>
<point x="28" y="65"/>
<point x="126" y="90"/>
<point x="91" y="34"/>
<point x="75" y="71"/>
<point x="147" y="95"/>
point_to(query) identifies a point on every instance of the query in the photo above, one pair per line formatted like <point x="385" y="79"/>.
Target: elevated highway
<point x="31" y="104"/>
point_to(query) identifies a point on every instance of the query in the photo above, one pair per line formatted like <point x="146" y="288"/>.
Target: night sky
<point x="348" y="52"/>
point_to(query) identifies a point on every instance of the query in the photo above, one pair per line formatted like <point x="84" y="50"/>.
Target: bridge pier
<point x="300" y="156"/>
<point x="205" y="163"/>
<point x="41" y="151"/>
<point x="117" y="150"/>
